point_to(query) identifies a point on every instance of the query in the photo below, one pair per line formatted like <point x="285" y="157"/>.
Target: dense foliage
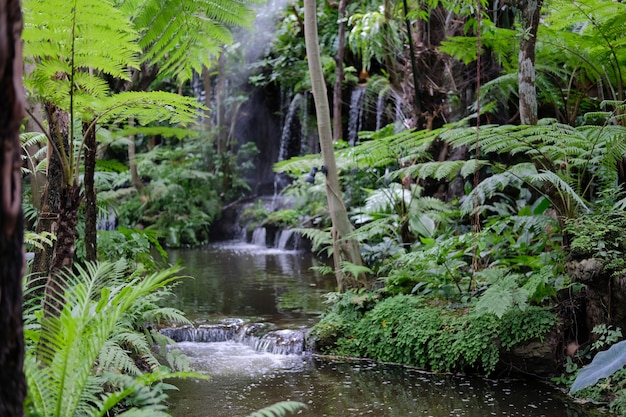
<point x="469" y="224"/>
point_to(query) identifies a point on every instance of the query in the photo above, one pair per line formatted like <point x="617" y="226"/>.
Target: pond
<point x="242" y="283"/>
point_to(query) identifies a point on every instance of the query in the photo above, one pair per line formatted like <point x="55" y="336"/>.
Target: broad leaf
<point x="603" y="365"/>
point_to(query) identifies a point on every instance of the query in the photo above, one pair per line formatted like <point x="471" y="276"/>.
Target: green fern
<point x="181" y="36"/>
<point x="66" y="38"/>
<point x="503" y="294"/>
<point x="321" y="240"/>
<point x="63" y="349"/>
<point x="280" y="409"/>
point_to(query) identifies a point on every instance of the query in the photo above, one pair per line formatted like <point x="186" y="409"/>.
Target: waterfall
<point x="284" y="237"/>
<point x="259" y="236"/>
<point x="381" y="102"/>
<point x="355" y="117"/>
<point x="290" y="140"/>
<point x="106" y="221"/>
<point x="259" y="336"/>
<point x="283" y="342"/>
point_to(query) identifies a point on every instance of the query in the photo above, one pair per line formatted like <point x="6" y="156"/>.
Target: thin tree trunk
<point x="417" y="106"/>
<point x="91" y="204"/>
<point x="390" y="58"/>
<point x="345" y="247"/>
<point x="206" y="82"/>
<point x="337" y="98"/>
<point x="530" y="12"/>
<point x="132" y="160"/>
<point x="220" y="105"/>
<point x="12" y="104"/>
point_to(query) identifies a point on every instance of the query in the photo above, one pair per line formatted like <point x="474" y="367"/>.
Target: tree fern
<point x="181" y="36"/>
<point x="67" y="38"/>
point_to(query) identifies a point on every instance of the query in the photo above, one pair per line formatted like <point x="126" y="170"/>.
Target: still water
<point x="236" y="280"/>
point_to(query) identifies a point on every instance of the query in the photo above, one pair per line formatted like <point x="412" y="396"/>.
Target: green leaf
<point x="280" y="409"/>
<point x="603" y="365"/>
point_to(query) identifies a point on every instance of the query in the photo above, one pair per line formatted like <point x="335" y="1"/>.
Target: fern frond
<point x="281" y="409"/>
<point x="112" y="356"/>
<point x="320" y="239"/>
<point x="486" y="189"/>
<point x="181" y="36"/>
<point x="38" y="240"/>
<point x="66" y="39"/>
<point x="147" y="107"/>
<point x="94" y="301"/>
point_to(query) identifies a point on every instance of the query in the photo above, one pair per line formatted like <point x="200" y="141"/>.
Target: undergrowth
<point x="415" y="331"/>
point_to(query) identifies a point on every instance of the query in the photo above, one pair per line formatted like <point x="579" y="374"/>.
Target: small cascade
<point x="259" y="236"/>
<point x="282" y="342"/>
<point x="106" y="221"/>
<point x="220" y="332"/>
<point x="258" y="336"/>
<point x="285" y="237"/>
<point x="355" y="117"/>
<point x="381" y="103"/>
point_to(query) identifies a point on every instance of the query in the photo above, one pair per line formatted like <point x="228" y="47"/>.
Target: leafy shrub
<point x="416" y="331"/>
<point x="600" y="235"/>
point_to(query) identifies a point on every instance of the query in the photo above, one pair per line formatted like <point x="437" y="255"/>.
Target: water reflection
<point x="237" y="280"/>
<point x="244" y="380"/>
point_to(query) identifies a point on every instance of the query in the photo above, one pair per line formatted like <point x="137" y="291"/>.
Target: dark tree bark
<point x="417" y="105"/>
<point x="64" y="248"/>
<point x="341" y="40"/>
<point x="12" y="102"/>
<point x="51" y="201"/>
<point x="91" y="207"/>
<point x="530" y="13"/>
<point x="62" y="200"/>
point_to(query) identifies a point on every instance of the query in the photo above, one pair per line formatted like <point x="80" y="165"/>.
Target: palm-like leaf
<point x="61" y="354"/>
<point x="181" y="36"/>
<point x="67" y="38"/>
<point x="280" y="409"/>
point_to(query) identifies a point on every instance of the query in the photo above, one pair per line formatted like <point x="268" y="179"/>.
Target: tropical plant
<point x="279" y="409"/>
<point x="76" y="359"/>
<point x="365" y="325"/>
<point x="587" y="35"/>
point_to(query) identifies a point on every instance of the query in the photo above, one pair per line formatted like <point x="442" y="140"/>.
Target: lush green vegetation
<point x="470" y="224"/>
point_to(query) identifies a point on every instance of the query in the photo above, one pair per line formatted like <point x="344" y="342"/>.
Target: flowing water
<point x="257" y="301"/>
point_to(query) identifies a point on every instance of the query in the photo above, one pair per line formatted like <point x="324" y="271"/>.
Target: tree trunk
<point x="220" y="107"/>
<point x="51" y="201"/>
<point x="206" y="82"/>
<point x="91" y="206"/>
<point x="64" y="248"/>
<point x="337" y="98"/>
<point x="132" y="160"/>
<point x="417" y="106"/>
<point x="345" y="248"/>
<point x="530" y="12"/>
<point x="12" y="104"/>
<point x="391" y="64"/>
